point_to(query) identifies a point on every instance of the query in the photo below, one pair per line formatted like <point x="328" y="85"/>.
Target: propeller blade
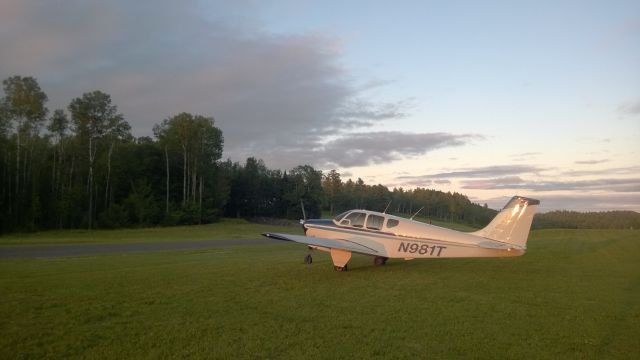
<point x="304" y="214"/>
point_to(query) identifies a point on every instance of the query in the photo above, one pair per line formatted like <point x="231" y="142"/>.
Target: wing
<point x="347" y="245"/>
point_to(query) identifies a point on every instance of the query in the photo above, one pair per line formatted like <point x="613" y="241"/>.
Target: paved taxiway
<point x="55" y="251"/>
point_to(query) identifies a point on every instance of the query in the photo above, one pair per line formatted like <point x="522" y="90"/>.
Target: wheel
<point x="308" y="259"/>
<point x="340" y="268"/>
<point x="379" y="260"/>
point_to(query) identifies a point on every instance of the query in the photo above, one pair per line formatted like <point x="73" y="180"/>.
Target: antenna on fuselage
<point x="414" y="215"/>
<point x="385" y="209"/>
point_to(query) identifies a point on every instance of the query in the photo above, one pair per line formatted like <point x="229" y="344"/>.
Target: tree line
<point x="81" y="167"/>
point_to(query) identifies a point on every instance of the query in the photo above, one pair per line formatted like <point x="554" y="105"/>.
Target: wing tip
<point x="275" y="236"/>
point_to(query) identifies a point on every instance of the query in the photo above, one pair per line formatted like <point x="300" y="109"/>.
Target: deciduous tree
<point x="331" y="184"/>
<point x="94" y="116"/>
<point x="24" y="104"/>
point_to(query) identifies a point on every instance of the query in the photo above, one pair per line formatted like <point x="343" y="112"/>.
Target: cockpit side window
<point x="374" y="222"/>
<point x="392" y="223"/>
<point x="356" y="218"/>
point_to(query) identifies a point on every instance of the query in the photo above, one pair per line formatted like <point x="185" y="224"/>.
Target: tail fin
<point x="512" y="223"/>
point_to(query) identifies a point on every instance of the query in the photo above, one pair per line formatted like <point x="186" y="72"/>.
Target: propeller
<point x="389" y="204"/>
<point x="304" y="214"/>
<point x="304" y="217"/>
<point x="414" y="215"/>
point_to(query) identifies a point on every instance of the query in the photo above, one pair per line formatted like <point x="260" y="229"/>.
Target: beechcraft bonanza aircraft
<point x="386" y="236"/>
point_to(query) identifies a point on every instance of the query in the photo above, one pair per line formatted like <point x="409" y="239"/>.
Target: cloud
<point x="479" y="172"/>
<point x="631" y="107"/>
<point x="285" y="98"/>
<point x="420" y="182"/>
<point x="613" y="185"/>
<point x="380" y="147"/>
<point x="361" y="112"/>
<point x="524" y="158"/>
<point x="526" y="155"/>
<point x="629" y="170"/>
<point x="591" y="162"/>
<point x="504" y="182"/>
<point x="576" y="202"/>
<point x="514" y="177"/>
<point x="367" y="148"/>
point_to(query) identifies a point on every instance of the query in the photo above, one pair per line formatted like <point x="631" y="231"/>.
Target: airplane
<point x="386" y="236"/>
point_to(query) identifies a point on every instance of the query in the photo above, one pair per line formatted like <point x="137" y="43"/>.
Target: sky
<point x="490" y="99"/>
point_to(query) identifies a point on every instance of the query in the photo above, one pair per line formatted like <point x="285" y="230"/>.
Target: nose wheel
<point x="340" y="268"/>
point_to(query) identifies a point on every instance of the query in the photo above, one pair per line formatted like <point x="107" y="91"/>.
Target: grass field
<point x="575" y="294"/>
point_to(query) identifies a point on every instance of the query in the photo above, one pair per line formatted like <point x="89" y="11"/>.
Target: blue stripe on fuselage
<point x="325" y="222"/>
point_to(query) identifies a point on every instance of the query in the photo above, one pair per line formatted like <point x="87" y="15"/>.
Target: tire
<point x="379" y="260"/>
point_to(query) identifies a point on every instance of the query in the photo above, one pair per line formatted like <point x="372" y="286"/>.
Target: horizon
<point x="488" y="100"/>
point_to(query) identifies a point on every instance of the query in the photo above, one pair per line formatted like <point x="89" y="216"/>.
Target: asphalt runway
<point x="56" y="251"/>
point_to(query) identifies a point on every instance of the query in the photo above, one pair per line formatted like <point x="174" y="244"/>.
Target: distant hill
<point x="587" y="220"/>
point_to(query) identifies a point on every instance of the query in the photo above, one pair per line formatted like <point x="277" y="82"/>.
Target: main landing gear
<point x="308" y="259"/>
<point x="380" y="260"/>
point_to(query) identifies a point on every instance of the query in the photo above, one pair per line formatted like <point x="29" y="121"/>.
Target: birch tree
<point x="117" y="130"/>
<point x="199" y="143"/>
<point x="58" y="127"/>
<point x="93" y="118"/>
<point x="24" y="103"/>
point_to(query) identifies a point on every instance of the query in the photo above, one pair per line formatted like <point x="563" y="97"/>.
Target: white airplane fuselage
<point x="409" y="239"/>
<point x="387" y="236"/>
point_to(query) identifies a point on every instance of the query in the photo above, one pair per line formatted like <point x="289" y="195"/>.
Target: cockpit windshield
<point x="356" y="219"/>
<point x="339" y="217"/>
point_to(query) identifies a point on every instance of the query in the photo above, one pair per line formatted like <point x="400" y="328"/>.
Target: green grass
<point x="575" y="294"/>
<point x="226" y="229"/>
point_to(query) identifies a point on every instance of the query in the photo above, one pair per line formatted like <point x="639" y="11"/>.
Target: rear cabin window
<point x="356" y="218"/>
<point x="374" y="222"/>
<point x="392" y="223"/>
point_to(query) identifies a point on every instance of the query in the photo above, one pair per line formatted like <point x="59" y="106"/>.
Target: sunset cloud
<point x="607" y="184"/>
<point x="478" y="172"/>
